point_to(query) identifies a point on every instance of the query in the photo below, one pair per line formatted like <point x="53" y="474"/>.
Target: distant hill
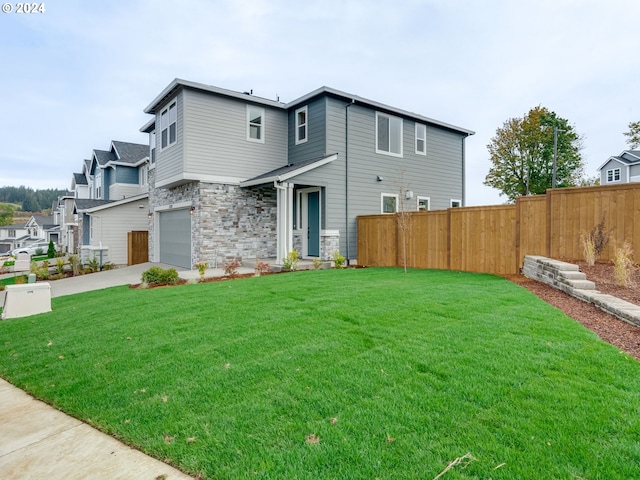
<point x="29" y="199"/>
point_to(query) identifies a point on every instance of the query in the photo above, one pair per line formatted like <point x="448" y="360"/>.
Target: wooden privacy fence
<point x="137" y="247"/>
<point x="495" y="239"/>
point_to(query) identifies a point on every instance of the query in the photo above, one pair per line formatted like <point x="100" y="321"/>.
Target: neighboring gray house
<point x="235" y="175"/>
<point x="13" y="236"/>
<point x="625" y="168"/>
<point x="113" y="185"/>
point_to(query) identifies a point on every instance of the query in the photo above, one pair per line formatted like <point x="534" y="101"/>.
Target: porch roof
<point x="287" y="172"/>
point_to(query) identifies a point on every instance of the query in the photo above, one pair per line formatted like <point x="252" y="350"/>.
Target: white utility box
<point x="26" y="299"/>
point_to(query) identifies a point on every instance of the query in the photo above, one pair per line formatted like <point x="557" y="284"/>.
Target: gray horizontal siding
<point x="437" y="175"/>
<point x="169" y="162"/>
<point x="126" y="175"/>
<point x="315" y="146"/>
<point x="216" y="137"/>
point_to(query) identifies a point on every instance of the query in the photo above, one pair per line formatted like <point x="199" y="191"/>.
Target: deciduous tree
<point x="522" y="154"/>
<point x="6" y="214"/>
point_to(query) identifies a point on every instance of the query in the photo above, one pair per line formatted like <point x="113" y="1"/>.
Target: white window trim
<point x="304" y="109"/>
<point x="455" y="200"/>
<point x="262" y="125"/>
<point x="424" y="139"/>
<point x="167" y="109"/>
<point x="390" y="117"/>
<point x="613" y="175"/>
<point x="383" y="195"/>
<point x="428" y="199"/>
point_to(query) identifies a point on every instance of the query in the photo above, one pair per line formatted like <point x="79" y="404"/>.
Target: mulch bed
<point x="609" y="328"/>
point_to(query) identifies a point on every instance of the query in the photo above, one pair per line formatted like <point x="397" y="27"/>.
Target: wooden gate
<point x="137" y="247"/>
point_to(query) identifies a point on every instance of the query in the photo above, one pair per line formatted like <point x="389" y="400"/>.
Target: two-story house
<point x="235" y="175"/>
<point x="623" y="168"/>
<point x="111" y="200"/>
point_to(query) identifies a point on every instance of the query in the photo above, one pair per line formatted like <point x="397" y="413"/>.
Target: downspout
<point x="464" y="177"/>
<point x="346" y="177"/>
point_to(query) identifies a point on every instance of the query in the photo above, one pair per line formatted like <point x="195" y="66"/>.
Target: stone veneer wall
<point x="228" y="221"/>
<point x="328" y="245"/>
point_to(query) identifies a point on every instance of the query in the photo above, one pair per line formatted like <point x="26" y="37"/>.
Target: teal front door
<point x="313" y="224"/>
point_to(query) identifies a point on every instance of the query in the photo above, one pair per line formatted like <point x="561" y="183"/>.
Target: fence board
<point x="495" y="239"/>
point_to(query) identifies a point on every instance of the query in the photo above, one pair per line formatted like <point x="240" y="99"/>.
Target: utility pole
<point x="555" y="154"/>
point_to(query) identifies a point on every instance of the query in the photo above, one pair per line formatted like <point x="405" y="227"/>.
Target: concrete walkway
<point x="40" y="442"/>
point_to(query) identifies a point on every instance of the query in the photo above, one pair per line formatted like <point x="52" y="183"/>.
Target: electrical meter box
<point x="26" y="299"/>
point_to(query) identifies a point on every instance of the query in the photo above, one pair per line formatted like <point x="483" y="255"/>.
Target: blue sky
<point x="80" y="74"/>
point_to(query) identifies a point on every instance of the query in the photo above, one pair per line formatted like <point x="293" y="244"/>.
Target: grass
<point x="12" y="280"/>
<point x="350" y="374"/>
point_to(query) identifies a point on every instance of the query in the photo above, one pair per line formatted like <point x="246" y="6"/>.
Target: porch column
<point x="284" y="225"/>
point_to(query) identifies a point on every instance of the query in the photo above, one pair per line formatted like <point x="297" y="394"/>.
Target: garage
<point x="175" y="238"/>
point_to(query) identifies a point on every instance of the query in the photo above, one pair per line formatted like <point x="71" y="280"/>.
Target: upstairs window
<point x="152" y="148"/>
<point x="421" y="139"/>
<point x="301" y="125"/>
<point x="168" y="125"/>
<point x="613" y="175"/>
<point x="389" y="203"/>
<point x="455" y="203"/>
<point x="255" y="124"/>
<point x="388" y="134"/>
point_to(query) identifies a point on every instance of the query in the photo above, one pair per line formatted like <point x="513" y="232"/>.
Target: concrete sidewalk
<point x="40" y="442"/>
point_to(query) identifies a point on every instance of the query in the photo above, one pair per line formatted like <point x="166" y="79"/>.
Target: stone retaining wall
<point x="568" y="278"/>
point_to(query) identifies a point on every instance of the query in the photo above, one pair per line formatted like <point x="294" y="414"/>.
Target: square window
<point x="301" y="125"/>
<point x="255" y="124"/>
<point x="424" y="204"/>
<point x="388" y="134"/>
<point x="455" y="203"/>
<point x="421" y="139"/>
<point x="389" y="203"/>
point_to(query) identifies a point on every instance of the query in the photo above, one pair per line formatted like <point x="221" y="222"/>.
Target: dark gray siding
<point x="215" y="141"/>
<point x="315" y="146"/>
<point x="437" y="175"/>
<point x="107" y="181"/>
<point x="126" y="175"/>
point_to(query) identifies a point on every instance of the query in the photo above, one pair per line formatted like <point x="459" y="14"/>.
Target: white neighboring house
<point x="13" y="236"/>
<point x="624" y="168"/>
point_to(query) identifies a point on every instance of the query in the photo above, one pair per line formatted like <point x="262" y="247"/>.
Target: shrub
<point x="93" y="265"/>
<point x="317" y="263"/>
<point x="39" y="252"/>
<point x="594" y="243"/>
<point x="51" y="251"/>
<point x="338" y="259"/>
<point x="231" y="267"/>
<point x="262" y="267"/>
<point x="158" y="276"/>
<point x="290" y="262"/>
<point x="202" y="268"/>
<point x="60" y="266"/>
<point x="623" y="265"/>
<point x="108" y="266"/>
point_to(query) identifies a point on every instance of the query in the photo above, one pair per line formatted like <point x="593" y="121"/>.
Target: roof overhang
<point x="288" y="174"/>
<point x="117" y="203"/>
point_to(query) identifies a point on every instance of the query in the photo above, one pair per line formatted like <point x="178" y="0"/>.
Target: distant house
<point x="110" y="199"/>
<point x="235" y="175"/>
<point x="624" y="168"/>
<point x="13" y="236"/>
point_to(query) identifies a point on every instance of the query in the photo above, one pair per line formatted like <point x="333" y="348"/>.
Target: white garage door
<point x="175" y="238"/>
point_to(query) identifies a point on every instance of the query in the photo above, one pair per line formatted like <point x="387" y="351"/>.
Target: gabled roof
<point x="80" y="179"/>
<point x="103" y="157"/>
<point x="86" y="167"/>
<point x="178" y="83"/>
<point x="376" y="105"/>
<point x="129" y="153"/>
<point x="15" y="226"/>
<point x="116" y="203"/>
<point x="43" y="221"/>
<point x="82" y="204"/>
<point x="627" y="157"/>
<point x="287" y="172"/>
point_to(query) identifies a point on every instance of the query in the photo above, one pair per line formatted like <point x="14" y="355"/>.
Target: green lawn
<point x="12" y="280"/>
<point x="355" y="374"/>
